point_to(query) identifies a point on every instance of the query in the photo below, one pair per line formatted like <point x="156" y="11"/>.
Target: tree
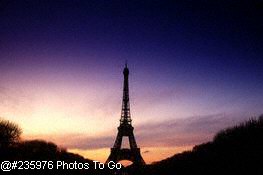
<point x="9" y="133"/>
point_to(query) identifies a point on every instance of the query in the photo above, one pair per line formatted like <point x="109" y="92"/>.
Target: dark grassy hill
<point x="39" y="151"/>
<point x="39" y="156"/>
<point x="235" y="151"/>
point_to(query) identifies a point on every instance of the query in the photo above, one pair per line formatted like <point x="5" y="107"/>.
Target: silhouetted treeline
<point x="13" y="149"/>
<point x="235" y="151"/>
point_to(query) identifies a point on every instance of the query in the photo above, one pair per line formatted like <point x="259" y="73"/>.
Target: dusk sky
<point x="195" y="68"/>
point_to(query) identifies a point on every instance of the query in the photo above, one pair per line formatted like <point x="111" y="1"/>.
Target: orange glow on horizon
<point x="149" y="154"/>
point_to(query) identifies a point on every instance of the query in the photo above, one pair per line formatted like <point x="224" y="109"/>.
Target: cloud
<point x="186" y="131"/>
<point x="178" y="132"/>
<point x="145" y="152"/>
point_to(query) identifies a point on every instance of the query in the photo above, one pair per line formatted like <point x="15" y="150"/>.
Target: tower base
<point x="133" y="155"/>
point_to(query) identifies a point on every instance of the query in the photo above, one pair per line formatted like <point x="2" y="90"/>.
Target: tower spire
<point x="125" y="111"/>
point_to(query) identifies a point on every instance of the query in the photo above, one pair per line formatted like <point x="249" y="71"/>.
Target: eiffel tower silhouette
<point x="126" y="130"/>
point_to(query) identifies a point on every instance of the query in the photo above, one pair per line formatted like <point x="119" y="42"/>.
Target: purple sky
<point x="195" y="68"/>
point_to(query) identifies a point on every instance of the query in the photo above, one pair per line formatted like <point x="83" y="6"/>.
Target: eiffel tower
<point x="126" y="130"/>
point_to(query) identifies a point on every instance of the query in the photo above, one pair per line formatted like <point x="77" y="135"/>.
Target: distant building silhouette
<point x="126" y="130"/>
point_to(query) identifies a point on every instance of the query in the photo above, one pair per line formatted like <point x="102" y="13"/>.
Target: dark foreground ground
<point x="236" y="151"/>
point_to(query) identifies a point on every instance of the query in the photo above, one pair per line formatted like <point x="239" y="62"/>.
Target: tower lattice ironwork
<point x="125" y="130"/>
